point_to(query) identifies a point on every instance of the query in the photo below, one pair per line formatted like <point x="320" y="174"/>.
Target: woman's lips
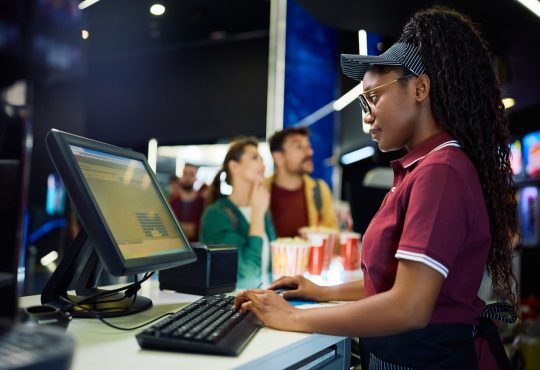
<point x="374" y="132"/>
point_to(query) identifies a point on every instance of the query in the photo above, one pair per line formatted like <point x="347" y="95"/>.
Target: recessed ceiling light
<point x="508" y="102"/>
<point x="157" y="9"/>
<point x="85" y="34"/>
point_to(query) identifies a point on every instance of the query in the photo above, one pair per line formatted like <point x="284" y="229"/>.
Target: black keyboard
<point x="34" y="347"/>
<point x="206" y="326"/>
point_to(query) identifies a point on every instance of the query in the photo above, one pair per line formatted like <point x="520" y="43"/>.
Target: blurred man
<point x="187" y="203"/>
<point x="297" y="200"/>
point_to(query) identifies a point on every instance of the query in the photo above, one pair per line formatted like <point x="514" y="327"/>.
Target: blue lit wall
<point x="311" y="80"/>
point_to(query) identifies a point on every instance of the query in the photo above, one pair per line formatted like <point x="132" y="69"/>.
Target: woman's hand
<point x="269" y="307"/>
<point x="299" y="287"/>
<point x="260" y="198"/>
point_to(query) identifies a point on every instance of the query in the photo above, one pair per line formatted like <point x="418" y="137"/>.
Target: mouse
<point x="293" y="301"/>
<point x="282" y="289"/>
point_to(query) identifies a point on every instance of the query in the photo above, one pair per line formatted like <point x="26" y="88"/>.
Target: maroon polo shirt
<point x="434" y="214"/>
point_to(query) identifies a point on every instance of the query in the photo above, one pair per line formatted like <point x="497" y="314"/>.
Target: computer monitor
<point x="127" y="225"/>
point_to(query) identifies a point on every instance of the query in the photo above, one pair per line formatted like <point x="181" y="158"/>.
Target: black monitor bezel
<point x="91" y="218"/>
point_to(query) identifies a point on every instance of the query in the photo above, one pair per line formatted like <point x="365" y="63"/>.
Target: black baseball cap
<point x="400" y="54"/>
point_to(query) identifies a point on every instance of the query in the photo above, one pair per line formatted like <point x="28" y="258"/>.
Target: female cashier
<point x="450" y="213"/>
<point x="241" y="219"/>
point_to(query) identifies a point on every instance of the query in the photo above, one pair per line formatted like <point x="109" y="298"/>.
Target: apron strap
<point x="485" y="328"/>
<point x="488" y="330"/>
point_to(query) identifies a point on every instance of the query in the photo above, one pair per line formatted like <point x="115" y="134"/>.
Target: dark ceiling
<point x="118" y="26"/>
<point x="502" y="22"/>
<point x="126" y="26"/>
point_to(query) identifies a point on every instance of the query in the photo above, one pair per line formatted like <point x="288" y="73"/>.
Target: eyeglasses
<point x="364" y="102"/>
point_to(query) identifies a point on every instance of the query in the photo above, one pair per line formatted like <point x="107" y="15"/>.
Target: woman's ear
<point x="422" y="87"/>
<point x="233" y="166"/>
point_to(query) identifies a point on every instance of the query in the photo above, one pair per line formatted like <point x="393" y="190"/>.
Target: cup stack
<point x="322" y="241"/>
<point x="289" y="257"/>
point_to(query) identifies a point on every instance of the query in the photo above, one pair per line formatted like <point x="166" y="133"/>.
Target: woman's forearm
<point x="256" y="224"/>
<point x="377" y="315"/>
<point x="352" y="291"/>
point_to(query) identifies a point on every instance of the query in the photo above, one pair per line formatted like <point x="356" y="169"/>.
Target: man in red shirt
<point x="187" y="203"/>
<point x="297" y="200"/>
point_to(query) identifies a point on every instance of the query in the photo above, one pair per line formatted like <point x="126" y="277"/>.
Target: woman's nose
<point x="368" y="118"/>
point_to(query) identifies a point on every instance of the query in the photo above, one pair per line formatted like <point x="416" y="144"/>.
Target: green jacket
<point x="220" y="226"/>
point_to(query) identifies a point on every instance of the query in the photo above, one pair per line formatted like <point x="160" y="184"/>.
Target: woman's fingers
<point x="247" y="296"/>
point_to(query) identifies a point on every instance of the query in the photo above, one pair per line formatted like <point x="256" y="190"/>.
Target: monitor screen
<point x="136" y="217"/>
<point x="531" y="152"/>
<point x="516" y="158"/>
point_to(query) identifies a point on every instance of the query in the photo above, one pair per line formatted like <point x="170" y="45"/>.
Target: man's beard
<point x="302" y="170"/>
<point x="187" y="187"/>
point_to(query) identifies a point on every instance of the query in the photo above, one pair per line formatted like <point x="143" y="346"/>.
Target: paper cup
<point x="316" y="259"/>
<point x="289" y="257"/>
<point x="350" y="250"/>
<point x="321" y="235"/>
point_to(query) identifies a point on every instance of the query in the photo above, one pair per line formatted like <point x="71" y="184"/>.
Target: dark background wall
<point x="183" y="95"/>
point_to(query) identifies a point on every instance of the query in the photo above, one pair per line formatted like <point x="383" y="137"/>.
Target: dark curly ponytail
<point x="466" y="100"/>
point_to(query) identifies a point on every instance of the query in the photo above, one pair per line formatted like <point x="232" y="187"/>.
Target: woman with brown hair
<point x="241" y="219"/>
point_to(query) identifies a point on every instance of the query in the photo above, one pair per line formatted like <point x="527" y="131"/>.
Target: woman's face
<point x="250" y="167"/>
<point x="394" y="113"/>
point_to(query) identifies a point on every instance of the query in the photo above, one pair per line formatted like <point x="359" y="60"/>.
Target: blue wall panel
<point x="311" y="80"/>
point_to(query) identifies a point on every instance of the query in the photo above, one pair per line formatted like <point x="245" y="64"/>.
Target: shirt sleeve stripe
<point x="406" y="255"/>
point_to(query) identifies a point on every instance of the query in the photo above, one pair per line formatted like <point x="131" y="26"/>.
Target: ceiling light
<point x="86" y="3"/>
<point x="85" y="34"/>
<point x="508" y="102"/>
<point x="357" y="155"/>
<point x="532" y="5"/>
<point x="157" y="9"/>
<point x="49" y="258"/>
<point x="152" y="154"/>
<point x="348" y="98"/>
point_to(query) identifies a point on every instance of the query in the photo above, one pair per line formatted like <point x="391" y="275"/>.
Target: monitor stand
<point x="82" y="267"/>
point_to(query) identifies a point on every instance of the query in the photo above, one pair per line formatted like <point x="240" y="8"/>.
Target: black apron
<point x="438" y="346"/>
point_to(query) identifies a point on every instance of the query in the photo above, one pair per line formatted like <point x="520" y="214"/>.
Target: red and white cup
<point x="289" y="257"/>
<point x="320" y="237"/>
<point x="350" y="250"/>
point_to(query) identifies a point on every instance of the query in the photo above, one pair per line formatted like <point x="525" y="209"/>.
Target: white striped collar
<point x="443" y="145"/>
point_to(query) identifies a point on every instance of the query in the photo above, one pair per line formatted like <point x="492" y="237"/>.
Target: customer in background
<point x="187" y="203"/>
<point x="296" y="199"/>
<point x="241" y="219"/>
<point x="450" y="214"/>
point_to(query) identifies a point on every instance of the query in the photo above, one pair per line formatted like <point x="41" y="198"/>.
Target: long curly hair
<point x="466" y="101"/>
